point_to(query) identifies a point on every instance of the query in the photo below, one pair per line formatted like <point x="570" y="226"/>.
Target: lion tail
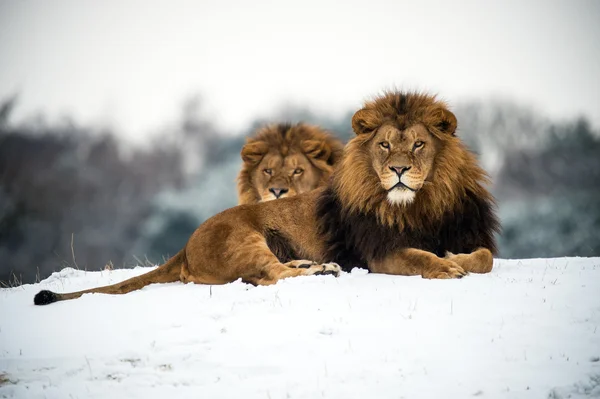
<point x="166" y="273"/>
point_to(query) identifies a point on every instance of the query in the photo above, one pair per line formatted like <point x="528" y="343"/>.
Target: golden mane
<point x="322" y="149"/>
<point x="455" y="172"/>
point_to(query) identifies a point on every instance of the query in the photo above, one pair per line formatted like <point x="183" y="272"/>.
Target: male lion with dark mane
<point x="408" y="198"/>
<point x="283" y="160"/>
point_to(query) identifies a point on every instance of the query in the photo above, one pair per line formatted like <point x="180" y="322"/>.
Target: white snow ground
<point x="529" y="329"/>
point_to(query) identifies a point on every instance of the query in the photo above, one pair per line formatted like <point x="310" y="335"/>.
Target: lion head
<point x="283" y="160"/>
<point x="406" y="164"/>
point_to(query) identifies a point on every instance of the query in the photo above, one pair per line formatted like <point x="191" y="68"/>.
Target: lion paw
<point x="446" y="269"/>
<point x="328" y="269"/>
<point x="479" y="261"/>
<point x="301" y="264"/>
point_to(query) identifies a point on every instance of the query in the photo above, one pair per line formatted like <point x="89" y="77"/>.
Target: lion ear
<point x="253" y="153"/>
<point x="364" y="121"/>
<point x="444" y="121"/>
<point x="316" y="149"/>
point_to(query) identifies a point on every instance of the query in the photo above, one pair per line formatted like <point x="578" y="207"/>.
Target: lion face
<point x="278" y="176"/>
<point x="283" y="160"/>
<point x="392" y="166"/>
<point x="402" y="160"/>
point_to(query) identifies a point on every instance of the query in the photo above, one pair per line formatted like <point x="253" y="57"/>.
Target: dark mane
<point x="353" y="238"/>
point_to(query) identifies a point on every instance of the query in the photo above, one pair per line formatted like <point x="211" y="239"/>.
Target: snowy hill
<point x="529" y="329"/>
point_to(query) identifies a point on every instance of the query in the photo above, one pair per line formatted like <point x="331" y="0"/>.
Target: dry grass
<point x="16" y="281"/>
<point x="4" y="380"/>
<point x="12" y="282"/>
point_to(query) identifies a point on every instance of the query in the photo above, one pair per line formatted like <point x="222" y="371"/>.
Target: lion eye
<point x="268" y="171"/>
<point x="418" y="144"/>
<point x="385" y="145"/>
<point x="298" y="171"/>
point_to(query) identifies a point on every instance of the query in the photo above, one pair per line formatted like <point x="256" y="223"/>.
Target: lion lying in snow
<point x="406" y="199"/>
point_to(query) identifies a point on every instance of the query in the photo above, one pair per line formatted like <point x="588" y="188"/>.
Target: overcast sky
<point x="131" y="64"/>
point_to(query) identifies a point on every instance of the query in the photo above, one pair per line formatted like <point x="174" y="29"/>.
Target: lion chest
<point x="355" y="239"/>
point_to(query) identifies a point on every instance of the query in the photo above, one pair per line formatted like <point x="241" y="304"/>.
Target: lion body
<point x="283" y="160"/>
<point x="407" y="199"/>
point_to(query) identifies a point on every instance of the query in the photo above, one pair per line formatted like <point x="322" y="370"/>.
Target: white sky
<point x="130" y="64"/>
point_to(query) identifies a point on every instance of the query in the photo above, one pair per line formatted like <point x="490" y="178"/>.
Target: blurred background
<point x="121" y="122"/>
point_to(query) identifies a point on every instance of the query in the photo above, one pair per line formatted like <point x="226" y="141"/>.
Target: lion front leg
<point x="413" y="262"/>
<point x="272" y="273"/>
<point x="257" y="264"/>
<point x="478" y="261"/>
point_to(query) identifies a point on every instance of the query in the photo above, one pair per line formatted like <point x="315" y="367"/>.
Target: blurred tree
<point x="549" y="195"/>
<point x="568" y="161"/>
<point x="496" y="128"/>
<point x="6" y="108"/>
<point x="69" y="197"/>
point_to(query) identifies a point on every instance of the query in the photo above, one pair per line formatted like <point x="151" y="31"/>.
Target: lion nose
<point x="399" y="170"/>
<point x="277" y="192"/>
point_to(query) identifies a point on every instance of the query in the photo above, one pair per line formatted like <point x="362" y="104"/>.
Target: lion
<point x="408" y="198"/>
<point x="283" y="160"/>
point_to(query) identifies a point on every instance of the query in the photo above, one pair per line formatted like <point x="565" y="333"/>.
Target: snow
<point x="529" y="329"/>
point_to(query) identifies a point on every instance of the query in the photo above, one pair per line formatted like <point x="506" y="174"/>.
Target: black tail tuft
<point x="45" y="297"/>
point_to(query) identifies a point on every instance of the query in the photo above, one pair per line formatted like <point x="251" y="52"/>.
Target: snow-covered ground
<point x="529" y="329"/>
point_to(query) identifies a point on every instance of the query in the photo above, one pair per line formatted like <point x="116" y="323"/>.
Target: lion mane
<point x="321" y="149"/>
<point x="452" y="213"/>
